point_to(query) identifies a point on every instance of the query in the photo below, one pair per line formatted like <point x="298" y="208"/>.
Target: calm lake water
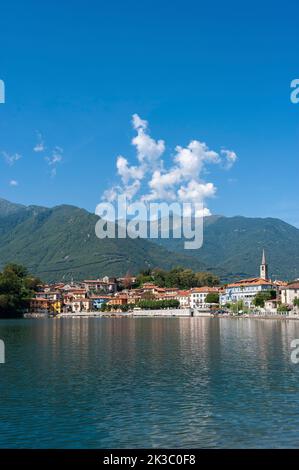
<point x="190" y="382"/>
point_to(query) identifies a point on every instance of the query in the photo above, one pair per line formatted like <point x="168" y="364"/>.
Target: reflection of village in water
<point x="184" y="382"/>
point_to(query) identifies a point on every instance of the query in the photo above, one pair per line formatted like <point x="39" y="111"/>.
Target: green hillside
<point x="60" y="243"/>
<point x="232" y="247"/>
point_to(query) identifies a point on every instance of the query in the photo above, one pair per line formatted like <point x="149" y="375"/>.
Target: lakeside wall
<point x="171" y="312"/>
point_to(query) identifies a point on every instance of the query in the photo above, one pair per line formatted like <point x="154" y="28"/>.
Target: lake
<point x="149" y="382"/>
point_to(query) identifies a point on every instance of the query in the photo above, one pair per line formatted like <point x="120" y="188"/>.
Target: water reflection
<point x="188" y="382"/>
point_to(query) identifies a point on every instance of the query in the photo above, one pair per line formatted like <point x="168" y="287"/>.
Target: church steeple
<point x="264" y="267"/>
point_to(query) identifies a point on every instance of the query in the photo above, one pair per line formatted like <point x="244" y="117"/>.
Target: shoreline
<point x="160" y="314"/>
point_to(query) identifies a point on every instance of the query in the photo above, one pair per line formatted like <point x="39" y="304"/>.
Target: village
<point x="111" y="296"/>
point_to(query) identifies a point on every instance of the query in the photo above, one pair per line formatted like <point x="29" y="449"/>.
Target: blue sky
<point x="218" y="72"/>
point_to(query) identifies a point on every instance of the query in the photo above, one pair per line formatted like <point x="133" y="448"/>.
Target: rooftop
<point x="255" y="281"/>
<point x="205" y="289"/>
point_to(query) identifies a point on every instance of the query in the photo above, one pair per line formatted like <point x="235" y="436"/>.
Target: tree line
<point x="179" y="277"/>
<point x="17" y="286"/>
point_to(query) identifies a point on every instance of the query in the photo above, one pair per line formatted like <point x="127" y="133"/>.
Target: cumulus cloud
<point x="195" y="191"/>
<point x="148" y="149"/>
<point x="126" y="172"/>
<point x="11" y="158"/>
<point x="151" y="180"/>
<point x="139" y="123"/>
<point x="13" y="183"/>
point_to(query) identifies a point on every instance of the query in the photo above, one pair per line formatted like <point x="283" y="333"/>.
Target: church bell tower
<point x="264" y="267"/>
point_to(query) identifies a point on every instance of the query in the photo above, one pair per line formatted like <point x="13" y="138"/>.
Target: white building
<point x="289" y="293"/>
<point x="183" y="296"/>
<point x="198" y="297"/>
<point x="246" y="289"/>
<point x="80" y="305"/>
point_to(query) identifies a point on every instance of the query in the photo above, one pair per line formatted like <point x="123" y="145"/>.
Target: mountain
<point x="60" y="243"/>
<point x="7" y="207"/>
<point x="232" y="247"/>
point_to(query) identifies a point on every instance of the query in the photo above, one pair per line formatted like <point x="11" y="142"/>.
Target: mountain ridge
<point x="60" y="243"/>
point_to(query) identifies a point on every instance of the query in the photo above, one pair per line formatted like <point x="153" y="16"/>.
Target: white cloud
<point x="196" y="192"/>
<point x="188" y="165"/>
<point x="131" y="190"/>
<point x="54" y="159"/>
<point x="148" y="149"/>
<point x="40" y="145"/>
<point x="111" y="194"/>
<point x="230" y="158"/>
<point x="56" y="156"/>
<point x="13" y="183"/>
<point x="138" y="122"/>
<point x="126" y="173"/>
<point x="192" y="158"/>
<point x="162" y="186"/>
<point x="150" y="180"/>
<point x="11" y="158"/>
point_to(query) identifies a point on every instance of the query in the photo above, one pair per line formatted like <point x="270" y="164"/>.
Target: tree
<point x="206" y="279"/>
<point x="296" y="302"/>
<point x="105" y="307"/>
<point x="283" y="308"/>
<point x="158" y="304"/>
<point x="144" y="276"/>
<point x="212" y="298"/>
<point x="261" y="297"/>
<point x="128" y="281"/>
<point x="16" y="288"/>
<point x="178" y="277"/>
<point x="238" y="306"/>
<point x="125" y="307"/>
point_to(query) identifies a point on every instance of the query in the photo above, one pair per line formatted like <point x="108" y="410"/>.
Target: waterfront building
<point x="118" y="300"/>
<point x="183" y="296"/>
<point x="49" y="295"/>
<point x="271" y="305"/>
<point x="107" y="285"/>
<point x="289" y="293"/>
<point x="150" y="288"/>
<point x="45" y="305"/>
<point x="98" y="300"/>
<point x="75" y="294"/>
<point x="134" y="295"/>
<point x="245" y="290"/>
<point x="80" y="305"/>
<point x="198" y="297"/>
